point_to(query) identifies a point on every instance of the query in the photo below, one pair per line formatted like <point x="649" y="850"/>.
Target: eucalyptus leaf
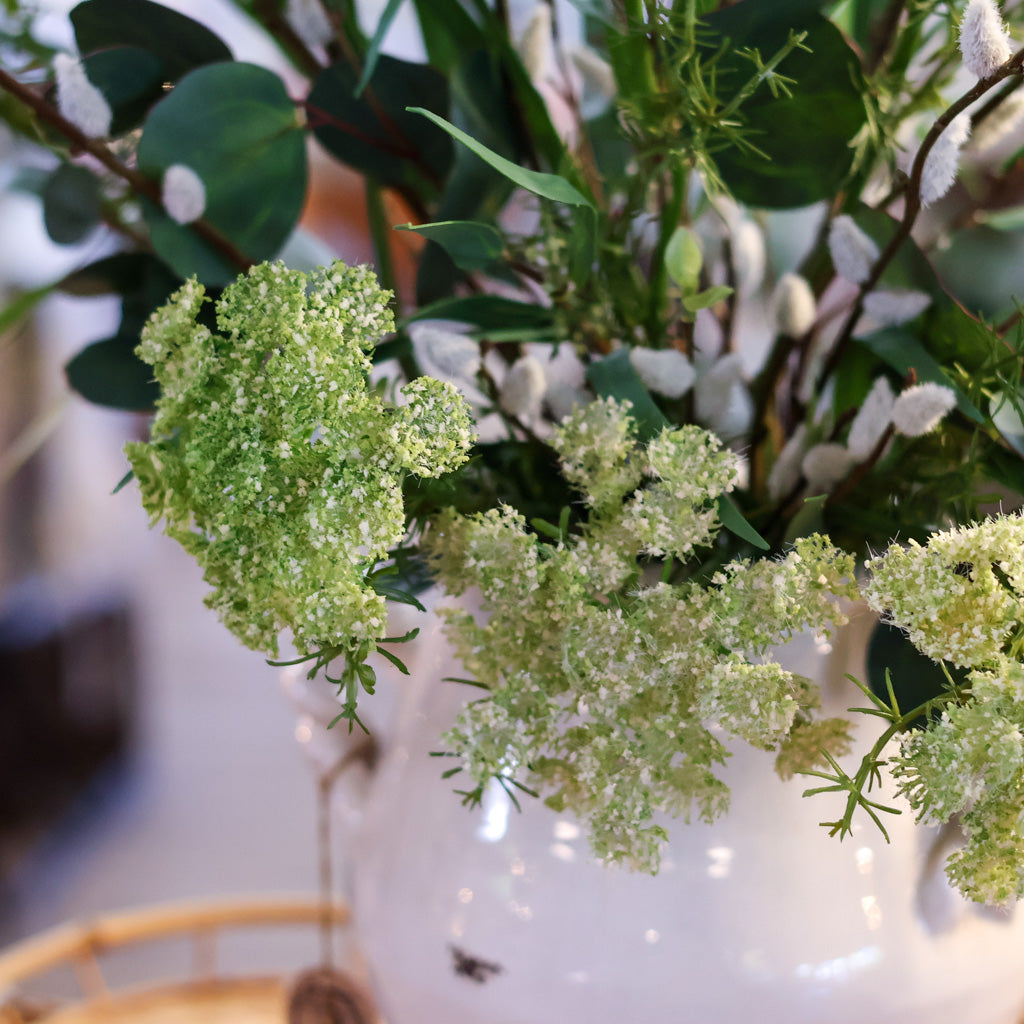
<point x="470" y="244"/>
<point x="804" y="140"/>
<point x="131" y="80"/>
<point x="109" y="373"/>
<point x="614" y="377"/>
<point x="373" y="132"/>
<point x="71" y="204"/>
<point x="235" y="126"/>
<point x="178" y="41"/>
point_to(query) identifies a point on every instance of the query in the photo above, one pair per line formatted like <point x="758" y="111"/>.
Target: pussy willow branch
<point x="273" y="20"/>
<point x="138" y="182"/>
<point x="913" y="207"/>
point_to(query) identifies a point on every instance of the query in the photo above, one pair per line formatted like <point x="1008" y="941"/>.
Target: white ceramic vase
<point x="497" y="917"/>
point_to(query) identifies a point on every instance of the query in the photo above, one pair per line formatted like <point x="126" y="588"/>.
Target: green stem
<point x="659" y="283"/>
<point x="380" y="234"/>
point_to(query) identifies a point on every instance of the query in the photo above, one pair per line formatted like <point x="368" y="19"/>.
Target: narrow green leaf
<point x="394" y="659"/>
<point x="20" y="306"/>
<point x="373" y="51"/>
<point x="486" y="312"/>
<point x="614" y="377"/>
<point x="124" y="481"/>
<point x="547" y="186"/>
<point x="471" y="245"/>
<point x="706" y="298"/>
<point x="735" y="522"/>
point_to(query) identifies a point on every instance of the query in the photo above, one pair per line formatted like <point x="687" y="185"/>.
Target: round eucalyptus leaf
<point x="109" y="373"/>
<point x="71" y="204"/>
<point x="180" y="43"/>
<point x="374" y="133"/>
<point x="236" y="128"/>
<point x="804" y="139"/>
<point x="131" y="80"/>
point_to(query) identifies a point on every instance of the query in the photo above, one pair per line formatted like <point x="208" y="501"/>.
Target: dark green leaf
<point x="71" y="204"/>
<point x="735" y="522"/>
<point x="547" y="186"/>
<point x="179" y="42"/>
<point x="805" y="137"/>
<point x="235" y="126"/>
<point x="488" y="312"/>
<point x="903" y="352"/>
<point x="449" y="33"/>
<point x="373" y="133"/>
<point x="119" y="274"/>
<point x="109" y="373"/>
<point x="614" y="377"/>
<point x="131" y="80"/>
<point x="470" y="244"/>
<point x="384" y="20"/>
<point x="915" y="677"/>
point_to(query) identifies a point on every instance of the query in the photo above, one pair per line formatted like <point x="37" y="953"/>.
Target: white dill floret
<point x="748" y="255"/>
<point x="183" y="194"/>
<point x="309" y="21"/>
<point x="947" y="596"/>
<point x="536" y="45"/>
<point x="79" y="100"/>
<point x="984" y="41"/>
<point x="273" y="464"/>
<point x="785" y="473"/>
<point x="921" y="408"/>
<point x="825" y="465"/>
<point x="522" y="390"/>
<point x="890" y="308"/>
<point x="665" y="371"/>
<point x="444" y="353"/>
<point x="853" y="252"/>
<point x="872" y="420"/>
<point x="756" y="702"/>
<point x="793" y="306"/>
<point x="943" y="160"/>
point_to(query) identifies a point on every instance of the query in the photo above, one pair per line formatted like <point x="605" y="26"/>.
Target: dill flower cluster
<point x="611" y="694"/>
<point x="274" y="463"/>
<point x="961" y="600"/>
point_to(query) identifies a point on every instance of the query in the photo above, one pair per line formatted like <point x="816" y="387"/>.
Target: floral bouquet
<point x="711" y="331"/>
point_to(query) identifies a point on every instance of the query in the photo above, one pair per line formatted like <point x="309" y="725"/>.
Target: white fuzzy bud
<point x="561" y="399"/>
<point x="984" y="41"/>
<point x="596" y="71"/>
<point x="309" y="21"/>
<point x="664" y="371"/>
<point x="523" y="389"/>
<point x="444" y="353"/>
<point x="1000" y="124"/>
<point x="920" y="409"/>
<point x="825" y="465"/>
<point x="889" y="308"/>
<point x="943" y="161"/>
<point x="79" y="100"/>
<point x="871" y="420"/>
<point x="723" y="403"/>
<point x="786" y="471"/>
<point x="793" y="306"/>
<point x="183" y="194"/>
<point x="536" y="46"/>
<point x="853" y="252"/>
<point x="748" y="256"/>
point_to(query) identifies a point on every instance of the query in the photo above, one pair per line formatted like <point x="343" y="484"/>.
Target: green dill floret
<point x="272" y="462"/>
<point x="603" y="695"/>
<point x="961" y="596"/>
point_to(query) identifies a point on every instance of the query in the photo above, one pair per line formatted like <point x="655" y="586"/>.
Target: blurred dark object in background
<point x="67" y="689"/>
